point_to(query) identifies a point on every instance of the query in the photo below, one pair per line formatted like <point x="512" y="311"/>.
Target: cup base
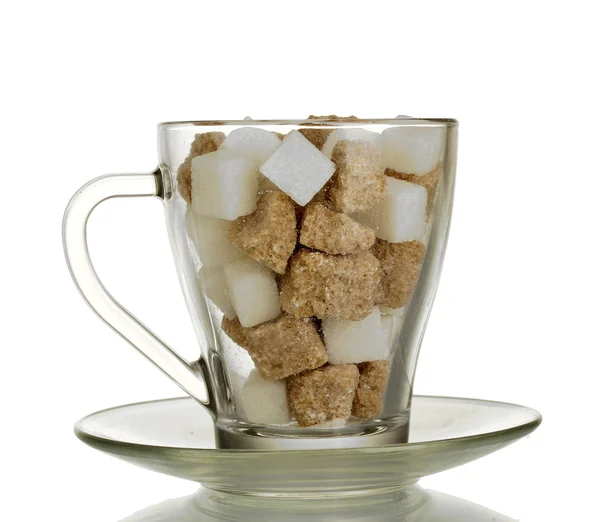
<point x="253" y="437"/>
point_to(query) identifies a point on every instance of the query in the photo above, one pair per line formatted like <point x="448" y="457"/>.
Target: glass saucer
<point x="175" y="437"/>
<point x="411" y="504"/>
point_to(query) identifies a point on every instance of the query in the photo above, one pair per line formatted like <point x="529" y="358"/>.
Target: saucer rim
<point x="514" y="432"/>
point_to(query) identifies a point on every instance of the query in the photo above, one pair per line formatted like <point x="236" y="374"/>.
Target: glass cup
<point x="309" y="253"/>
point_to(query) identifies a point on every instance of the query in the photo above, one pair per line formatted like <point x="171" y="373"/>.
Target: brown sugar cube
<point x="268" y="234"/>
<point x="280" y="348"/>
<point x="202" y="144"/>
<point x="316" y="136"/>
<point x="400" y="268"/>
<point x="324" y="285"/>
<point x="279" y="135"/>
<point x="359" y="180"/>
<point x="333" y="117"/>
<point x="429" y="181"/>
<point x="368" y="400"/>
<point x="332" y="232"/>
<point x="322" y="395"/>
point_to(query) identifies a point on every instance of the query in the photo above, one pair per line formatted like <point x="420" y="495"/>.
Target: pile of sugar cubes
<point x="311" y="246"/>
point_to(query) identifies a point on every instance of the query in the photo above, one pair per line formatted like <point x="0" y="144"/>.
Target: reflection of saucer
<point x="430" y="506"/>
<point x="175" y="436"/>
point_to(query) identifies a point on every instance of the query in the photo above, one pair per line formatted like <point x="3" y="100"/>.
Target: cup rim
<point x="324" y="121"/>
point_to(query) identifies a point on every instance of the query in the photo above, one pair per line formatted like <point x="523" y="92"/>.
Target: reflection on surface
<point x="406" y="505"/>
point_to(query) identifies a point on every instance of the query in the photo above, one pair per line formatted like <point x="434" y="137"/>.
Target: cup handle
<point x="193" y="377"/>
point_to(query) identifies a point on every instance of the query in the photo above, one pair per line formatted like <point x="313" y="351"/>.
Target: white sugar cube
<point x="396" y="312"/>
<point x="224" y="185"/>
<point x="355" y="341"/>
<point x="256" y="144"/>
<point x="215" y="287"/>
<point x="190" y="227"/>
<point x="400" y="215"/>
<point x="351" y="135"/>
<point x="391" y="327"/>
<point x="412" y="150"/>
<point x="253" y="291"/>
<point x="264" y="401"/>
<point x="212" y="242"/>
<point x="298" y="168"/>
<point x="237" y="384"/>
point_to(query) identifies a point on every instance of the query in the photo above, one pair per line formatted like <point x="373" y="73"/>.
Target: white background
<point x="516" y="318"/>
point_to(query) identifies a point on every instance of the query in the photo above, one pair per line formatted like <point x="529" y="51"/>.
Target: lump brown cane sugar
<point x="333" y="117"/>
<point x="358" y="181"/>
<point x="316" y="136"/>
<point x="323" y="395"/>
<point x="268" y="234"/>
<point x="334" y="233"/>
<point x="202" y="144"/>
<point x="429" y="181"/>
<point x="368" y="401"/>
<point x="280" y="348"/>
<point x="325" y="285"/>
<point x="400" y="268"/>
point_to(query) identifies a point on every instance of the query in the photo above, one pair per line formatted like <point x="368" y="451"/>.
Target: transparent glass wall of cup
<point x="309" y="253"/>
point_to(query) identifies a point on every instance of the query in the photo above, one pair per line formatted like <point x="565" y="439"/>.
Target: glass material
<point x="78" y="259"/>
<point x="219" y="378"/>
<point x="174" y="437"/>
<point x="409" y="504"/>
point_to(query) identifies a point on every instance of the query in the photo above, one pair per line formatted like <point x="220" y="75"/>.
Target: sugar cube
<point x="322" y="395"/>
<point x="253" y="291"/>
<point x="400" y="268"/>
<point x="391" y="327"/>
<point x="190" y="227"/>
<point x="236" y="381"/>
<point x="368" y="401"/>
<point x="412" y="150"/>
<point x="211" y="236"/>
<point x="251" y="142"/>
<point x="396" y="312"/>
<point x="202" y="144"/>
<point x="355" y="341"/>
<point x="264" y="401"/>
<point x="333" y="117"/>
<point x="282" y="347"/>
<point x="184" y="179"/>
<point x="298" y="168"/>
<point x="400" y="215"/>
<point x="333" y="233"/>
<point x="350" y="134"/>
<point x="269" y="234"/>
<point x="324" y="285"/>
<point x="429" y="181"/>
<point x="316" y="136"/>
<point x="215" y="287"/>
<point x="358" y="182"/>
<point x="387" y="326"/>
<point x="224" y="185"/>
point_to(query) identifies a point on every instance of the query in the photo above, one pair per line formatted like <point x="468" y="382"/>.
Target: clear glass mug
<point x="309" y="253"/>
